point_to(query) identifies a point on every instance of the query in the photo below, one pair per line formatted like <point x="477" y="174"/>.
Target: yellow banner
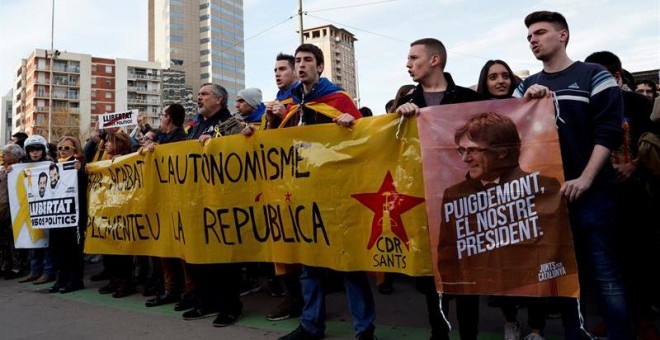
<point x="323" y="195"/>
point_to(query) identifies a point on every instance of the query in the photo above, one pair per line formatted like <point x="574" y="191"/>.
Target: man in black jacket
<point x="217" y="284"/>
<point x="426" y="63"/>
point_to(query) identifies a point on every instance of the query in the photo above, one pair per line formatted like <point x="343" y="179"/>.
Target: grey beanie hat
<point x="251" y="95"/>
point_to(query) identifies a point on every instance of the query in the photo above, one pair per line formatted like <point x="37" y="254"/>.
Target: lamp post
<point x="50" y="81"/>
<point x="300" y="22"/>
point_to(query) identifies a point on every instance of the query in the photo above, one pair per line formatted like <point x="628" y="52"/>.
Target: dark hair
<point x="20" y="138"/>
<point x="650" y="83"/>
<point x="366" y="112"/>
<point x="291" y="59"/>
<point x="388" y="105"/>
<point x="495" y="130"/>
<point x="52" y="150"/>
<point x="433" y="46"/>
<point x="400" y="93"/>
<point x="606" y="59"/>
<point x="156" y="132"/>
<point x="482" y="85"/>
<point x="54" y="166"/>
<point x="555" y="18"/>
<point x="43" y="175"/>
<point x="314" y="50"/>
<point x="218" y="91"/>
<point x="177" y="114"/>
<point x="628" y="79"/>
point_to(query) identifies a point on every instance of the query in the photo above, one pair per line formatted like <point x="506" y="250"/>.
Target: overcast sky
<point x="474" y="31"/>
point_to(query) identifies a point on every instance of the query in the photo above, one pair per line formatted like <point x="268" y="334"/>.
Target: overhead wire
<point x="350" y="6"/>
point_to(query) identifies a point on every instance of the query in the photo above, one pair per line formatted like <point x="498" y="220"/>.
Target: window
<point x="108" y="94"/>
<point x="108" y="108"/>
<point x="93" y="94"/>
<point x="176" y="61"/>
<point x="108" y="69"/>
<point x="108" y="82"/>
<point x="176" y="38"/>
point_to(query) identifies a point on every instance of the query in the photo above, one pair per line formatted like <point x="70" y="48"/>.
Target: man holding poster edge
<point x="426" y="63"/>
<point x="589" y="116"/>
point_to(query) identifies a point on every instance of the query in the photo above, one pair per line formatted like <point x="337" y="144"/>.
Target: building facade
<point x="77" y="88"/>
<point x="202" y="38"/>
<point x="6" y="109"/>
<point x="175" y="90"/>
<point x="338" y="49"/>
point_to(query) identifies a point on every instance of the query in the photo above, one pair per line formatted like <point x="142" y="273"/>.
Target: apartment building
<point x="6" y="109"/>
<point x="338" y="49"/>
<point x="77" y="88"/>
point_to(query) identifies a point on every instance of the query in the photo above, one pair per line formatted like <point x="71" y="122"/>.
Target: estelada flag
<point x="504" y="231"/>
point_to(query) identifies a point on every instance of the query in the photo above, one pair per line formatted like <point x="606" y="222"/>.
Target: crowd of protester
<point x="610" y="198"/>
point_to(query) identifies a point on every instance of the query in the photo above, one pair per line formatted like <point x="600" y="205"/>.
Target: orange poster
<point x="492" y="174"/>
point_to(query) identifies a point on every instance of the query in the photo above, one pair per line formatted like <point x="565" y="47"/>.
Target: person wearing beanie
<point x="249" y="105"/>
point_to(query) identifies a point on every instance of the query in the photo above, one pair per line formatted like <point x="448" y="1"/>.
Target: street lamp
<point x="53" y="54"/>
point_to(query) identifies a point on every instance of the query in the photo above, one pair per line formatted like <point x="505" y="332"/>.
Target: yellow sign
<point x="322" y="195"/>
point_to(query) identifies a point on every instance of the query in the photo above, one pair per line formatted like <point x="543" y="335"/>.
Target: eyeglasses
<point x="144" y="139"/>
<point x="469" y="150"/>
<point x="64" y="148"/>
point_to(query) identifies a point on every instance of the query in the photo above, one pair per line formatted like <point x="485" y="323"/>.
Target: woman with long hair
<point x="496" y="80"/>
<point x="67" y="243"/>
<point x="118" y="267"/>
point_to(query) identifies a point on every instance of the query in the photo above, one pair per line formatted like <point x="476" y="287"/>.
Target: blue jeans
<point x="592" y="221"/>
<point x="41" y="262"/>
<point x="358" y="292"/>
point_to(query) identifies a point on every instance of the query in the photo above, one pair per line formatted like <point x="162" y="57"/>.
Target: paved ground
<point x="29" y="312"/>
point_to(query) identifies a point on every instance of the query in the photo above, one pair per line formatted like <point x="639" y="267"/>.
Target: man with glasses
<point x="426" y="63"/>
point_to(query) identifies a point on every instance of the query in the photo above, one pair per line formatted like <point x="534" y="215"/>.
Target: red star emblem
<point x="387" y="205"/>
<point x="287" y="197"/>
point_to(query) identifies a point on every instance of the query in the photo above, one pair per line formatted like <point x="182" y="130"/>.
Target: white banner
<point x="42" y="195"/>
<point x="118" y="119"/>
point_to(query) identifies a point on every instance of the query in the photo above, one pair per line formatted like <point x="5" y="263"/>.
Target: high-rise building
<point x="203" y="38"/>
<point x="5" y="116"/>
<point x="176" y="91"/>
<point x="338" y="54"/>
<point x="83" y="87"/>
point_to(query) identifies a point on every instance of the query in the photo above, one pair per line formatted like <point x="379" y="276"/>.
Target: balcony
<point x="143" y="76"/>
<point x="65" y="96"/>
<point x="66" y="82"/>
<point x="138" y="101"/>
<point x="42" y="108"/>
<point x="67" y="110"/>
<point x="66" y="69"/>
<point x="142" y="90"/>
